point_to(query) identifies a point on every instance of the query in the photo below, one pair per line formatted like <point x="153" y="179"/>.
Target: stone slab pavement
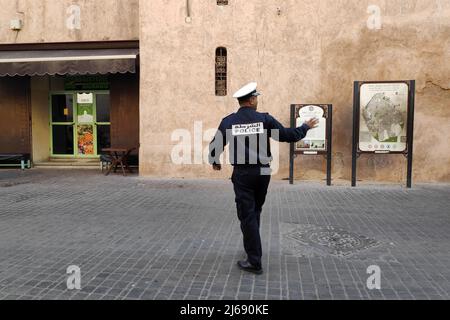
<point x="140" y="238"/>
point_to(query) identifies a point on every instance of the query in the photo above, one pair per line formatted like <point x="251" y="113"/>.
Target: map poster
<point x="383" y="117"/>
<point x="316" y="139"/>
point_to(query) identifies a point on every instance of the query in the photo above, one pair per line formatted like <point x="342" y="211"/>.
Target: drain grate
<point x="306" y="240"/>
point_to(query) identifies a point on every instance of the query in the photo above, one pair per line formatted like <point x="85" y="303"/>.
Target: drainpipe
<point x="188" y="12"/>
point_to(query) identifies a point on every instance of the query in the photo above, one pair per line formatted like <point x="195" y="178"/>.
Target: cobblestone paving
<point x="137" y="238"/>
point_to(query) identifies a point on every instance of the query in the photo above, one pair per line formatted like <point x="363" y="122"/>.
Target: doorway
<point x="80" y="123"/>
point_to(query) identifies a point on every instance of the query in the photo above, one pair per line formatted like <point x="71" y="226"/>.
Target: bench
<point x="21" y="160"/>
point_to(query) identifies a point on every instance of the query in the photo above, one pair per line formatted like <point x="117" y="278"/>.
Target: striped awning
<point x="68" y="62"/>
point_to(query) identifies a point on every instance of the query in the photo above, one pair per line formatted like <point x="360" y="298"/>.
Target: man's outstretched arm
<point x="291" y="135"/>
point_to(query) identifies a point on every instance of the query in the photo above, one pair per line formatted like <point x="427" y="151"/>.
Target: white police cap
<point x="247" y="90"/>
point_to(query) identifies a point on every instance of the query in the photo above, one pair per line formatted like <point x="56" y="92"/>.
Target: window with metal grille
<point x="222" y="2"/>
<point x="221" y="71"/>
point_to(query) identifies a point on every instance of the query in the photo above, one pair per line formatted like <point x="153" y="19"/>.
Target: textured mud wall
<point x="299" y="52"/>
<point x="47" y="20"/>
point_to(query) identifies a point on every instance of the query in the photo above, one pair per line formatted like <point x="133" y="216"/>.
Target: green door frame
<point x="75" y="122"/>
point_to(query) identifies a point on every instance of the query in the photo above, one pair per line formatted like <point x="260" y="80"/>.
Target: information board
<point x="383" y="121"/>
<point x="318" y="141"/>
<point x="383" y="117"/>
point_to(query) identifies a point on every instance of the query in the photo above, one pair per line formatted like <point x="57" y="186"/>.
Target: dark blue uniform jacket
<point x="248" y="132"/>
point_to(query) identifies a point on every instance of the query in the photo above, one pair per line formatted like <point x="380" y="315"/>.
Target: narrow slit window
<point x="222" y="2"/>
<point x="221" y="72"/>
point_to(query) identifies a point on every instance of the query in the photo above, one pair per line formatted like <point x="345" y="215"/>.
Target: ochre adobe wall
<point x="46" y="20"/>
<point x="299" y="52"/>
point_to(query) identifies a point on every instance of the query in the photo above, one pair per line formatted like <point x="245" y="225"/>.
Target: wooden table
<point x="119" y="156"/>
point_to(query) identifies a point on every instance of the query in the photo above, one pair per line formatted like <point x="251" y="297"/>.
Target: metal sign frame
<point x="328" y="113"/>
<point x="408" y="152"/>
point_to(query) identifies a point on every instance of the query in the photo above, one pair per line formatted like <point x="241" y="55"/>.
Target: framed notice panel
<point x="383" y="117"/>
<point x="318" y="140"/>
<point x="383" y="121"/>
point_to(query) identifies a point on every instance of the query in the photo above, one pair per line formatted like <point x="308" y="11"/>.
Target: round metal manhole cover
<point x="328" y="240"/>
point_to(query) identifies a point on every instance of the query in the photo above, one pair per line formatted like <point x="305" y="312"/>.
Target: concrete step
<point x="68" y="164"/>
<point x="73" y="160"/>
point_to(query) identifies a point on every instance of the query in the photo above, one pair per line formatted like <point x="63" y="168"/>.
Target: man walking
<point x="248" y="132"/>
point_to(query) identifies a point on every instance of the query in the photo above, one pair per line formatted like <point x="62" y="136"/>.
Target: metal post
<point x="356" y="103"/>
<point x="292" y="148"/>
<point x="412" y="95"/>
<point x="329" y="143"/>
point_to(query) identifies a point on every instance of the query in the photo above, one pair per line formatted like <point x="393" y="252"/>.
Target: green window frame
<point x="75" y="123"/>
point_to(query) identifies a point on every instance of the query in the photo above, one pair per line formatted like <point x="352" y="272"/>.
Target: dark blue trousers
<point x="250" y="188"/>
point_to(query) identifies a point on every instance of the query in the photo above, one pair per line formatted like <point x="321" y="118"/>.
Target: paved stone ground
<point x="137" y="238"/>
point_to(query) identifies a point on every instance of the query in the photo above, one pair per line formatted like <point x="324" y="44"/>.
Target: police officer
<point x="248" y="132"/>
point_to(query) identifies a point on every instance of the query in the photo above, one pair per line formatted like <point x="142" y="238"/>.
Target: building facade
<point x="192" y="55"/>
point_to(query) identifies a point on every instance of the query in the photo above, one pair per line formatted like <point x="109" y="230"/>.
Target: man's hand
<point x="313" y="123"/>
<point x="217" y="167"/>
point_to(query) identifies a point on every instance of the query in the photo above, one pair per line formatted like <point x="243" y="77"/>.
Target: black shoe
<point x="247" y="266"/>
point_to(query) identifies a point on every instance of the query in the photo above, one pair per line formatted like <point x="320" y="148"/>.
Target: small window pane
<point x="222" y="2"/>
<point x="221" y="72"/>
<point x="62" y="108"/>
<point x="103" y="137"/>
<point x="63" y="140"/>
<point x="103" y="108"/>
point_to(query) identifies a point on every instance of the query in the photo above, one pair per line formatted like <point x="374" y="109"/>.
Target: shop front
<point x="80" y="123"/>
<point x="63" y="107"/>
